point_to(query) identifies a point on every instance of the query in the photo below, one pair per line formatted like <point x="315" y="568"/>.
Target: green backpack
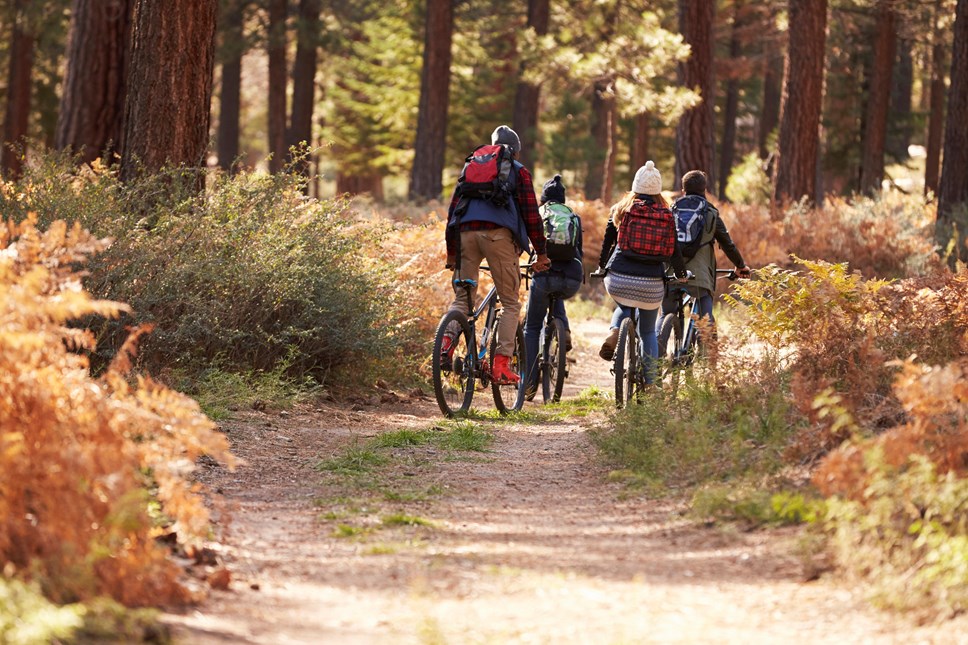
<point x="561" y="228"/>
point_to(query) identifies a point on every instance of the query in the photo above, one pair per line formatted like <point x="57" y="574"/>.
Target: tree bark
<point x="230" y="97"/>
<point x="277" y="84"/>
<point x="431" y="139"/>
<point x="527" y="96"/>
<point x="932" y="164"/>
<point x="641" y="141"/>
<point x="21" y="56"/>
<point x="166" y="121"/>
<point x="694" y="134"/>
<point x="770" y="110"/>
<point x="90" y="121"/>
<point x="356" y="184"/>
<point x="727" y="147"/>
<point x="304" y="78"/>
<point x="601" y="161"/>
<point x="879" y="99"/>
<point x="899" y="129"/>
<point x="953" y="191"/>
<point x="799" y="146"/>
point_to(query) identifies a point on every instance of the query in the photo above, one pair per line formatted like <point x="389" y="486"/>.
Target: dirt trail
<point x="529" y="544"/>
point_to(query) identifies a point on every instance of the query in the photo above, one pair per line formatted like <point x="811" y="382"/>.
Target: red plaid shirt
<point x="527" y="205"/>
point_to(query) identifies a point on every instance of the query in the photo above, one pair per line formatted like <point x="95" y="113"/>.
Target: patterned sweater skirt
<point x="635" y="291"/>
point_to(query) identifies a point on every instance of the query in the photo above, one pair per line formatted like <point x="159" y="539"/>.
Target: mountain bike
<point x="469" y="363"/>
<point x="629" y="377"/>
<point x="552" y="354"/>
<point x="678" y="336"/>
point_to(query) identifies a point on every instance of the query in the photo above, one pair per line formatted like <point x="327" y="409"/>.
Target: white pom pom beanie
<point x="647" y="180"/>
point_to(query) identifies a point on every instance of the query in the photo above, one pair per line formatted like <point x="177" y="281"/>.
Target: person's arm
<point x="729" y="247"/>
<point x="608" y="243"/>
<point x="528" y="211"/>
<point x="451" y="232"/>
<point x="678" y="262"/>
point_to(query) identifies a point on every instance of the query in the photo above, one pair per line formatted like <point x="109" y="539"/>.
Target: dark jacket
<point x="613" y="259"/>
<point x="573" y="268"/>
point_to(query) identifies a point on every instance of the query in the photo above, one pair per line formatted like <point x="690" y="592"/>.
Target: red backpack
<point x="648" y="230"/>
<point x="486" y="174"/>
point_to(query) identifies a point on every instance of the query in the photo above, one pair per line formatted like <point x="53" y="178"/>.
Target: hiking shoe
<point x="447" y="347"/>
<point x="503" y="374"/>
<point x="608" y="347"/>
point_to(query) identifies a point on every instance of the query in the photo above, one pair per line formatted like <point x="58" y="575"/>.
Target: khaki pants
<point x="500" y="250"/>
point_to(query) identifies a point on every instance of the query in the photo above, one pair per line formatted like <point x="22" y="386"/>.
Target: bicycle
<point x="457" y="374"/>
<point x="681" y="326"/>
<point x="629" y="379"/>
<point x="552" y="355"/>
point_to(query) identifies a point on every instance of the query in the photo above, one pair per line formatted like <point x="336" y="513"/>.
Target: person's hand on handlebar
<point x="686" y="277"/>
<point x="743" y="271"/>
<point x="541" y="263"/>
<point x="451" y="262"/>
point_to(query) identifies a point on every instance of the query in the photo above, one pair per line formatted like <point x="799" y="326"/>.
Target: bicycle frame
<point x="488" y="303"/>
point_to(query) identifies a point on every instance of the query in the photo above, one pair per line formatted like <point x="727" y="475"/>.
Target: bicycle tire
<point x="454" y="388"/>
<point x="508" y="398"/>
<point x="669" y="329"/>
<point x="625" y="363"/>
<point x="554" y="365"/>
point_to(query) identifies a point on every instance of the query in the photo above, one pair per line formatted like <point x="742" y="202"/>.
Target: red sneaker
<point x="447" y="347"/>
<point x="503" y="374"/>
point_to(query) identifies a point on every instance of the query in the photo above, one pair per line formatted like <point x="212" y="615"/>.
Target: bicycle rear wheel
<point x="454" y="371"/>
<point x="626" y="363"/>
<point x="670" y="342"/>
<point x="554" y="366"/>
<point x="508" y="398"/>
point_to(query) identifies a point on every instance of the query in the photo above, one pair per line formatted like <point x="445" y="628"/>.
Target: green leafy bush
<point x="247" y="274"/>
<point x="26" y="617"/>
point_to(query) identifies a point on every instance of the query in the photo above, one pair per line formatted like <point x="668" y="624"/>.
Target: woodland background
<point x="256" y="183"/>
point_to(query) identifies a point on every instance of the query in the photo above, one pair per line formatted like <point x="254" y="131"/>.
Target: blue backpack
<point x="692" y="216"/>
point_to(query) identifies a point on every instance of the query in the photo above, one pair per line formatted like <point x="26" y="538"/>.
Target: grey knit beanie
<point x="507" y="136"/>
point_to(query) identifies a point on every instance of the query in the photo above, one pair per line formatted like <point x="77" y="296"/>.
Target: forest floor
<point x="527" y="542"/>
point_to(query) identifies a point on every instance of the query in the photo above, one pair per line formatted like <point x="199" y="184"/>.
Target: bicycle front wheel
<point x="508" y="398"/>
<point x="626" y="363"/>
<point x="453" y="367"/>
<point x="553" y="361"/>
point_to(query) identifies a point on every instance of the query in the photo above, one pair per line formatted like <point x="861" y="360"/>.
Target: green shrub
<point x="247" y="274"/>
<point x="749" y="182"/>
<point x="754" y="505"/>
<point x="908" y="537"/>
<point x="702" y="432"/>
<point x="26" y="617"/>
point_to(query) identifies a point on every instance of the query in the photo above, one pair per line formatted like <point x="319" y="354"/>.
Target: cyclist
<point x="482" y="229"/>
<point x="710" y="228"/>
<point x="564" y="278"/>
<point x="643" y="232"/>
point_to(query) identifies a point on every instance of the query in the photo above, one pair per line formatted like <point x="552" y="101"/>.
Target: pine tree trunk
<point x="932" y="163"/>
<point x="953" y="190"/>
<point x="799" y="145"/>
<point x="641" y="141"/>
<point x="879" y="99"/>
<point x="902" y="90"/>
<point x="431" y="139"/>
<point x="277" y="84"/>
<point x="166" y="120"/>
<point x="727" y="149"/>
<point x="597" y="178"/>
<point x="230" y="97"/>
<point x="21" y="56"/>
<point x="92" y="102"/>
<point x="371" y="184"/>
<point x="770" y="110"/>
<point x="526" y="99"/>
<point x="694" y="134"/>
<point x="304" y="78"/>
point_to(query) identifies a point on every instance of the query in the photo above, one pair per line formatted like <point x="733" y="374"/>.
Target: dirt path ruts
<point x="529" y="545"/>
